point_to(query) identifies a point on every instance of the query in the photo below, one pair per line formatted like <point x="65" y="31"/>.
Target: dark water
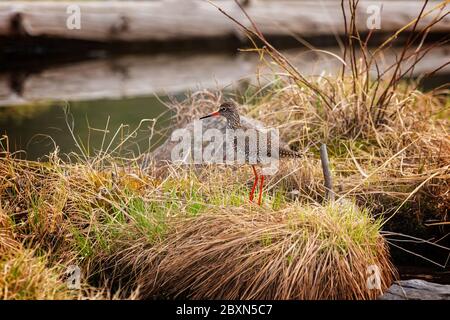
<point x="37" y="128"/>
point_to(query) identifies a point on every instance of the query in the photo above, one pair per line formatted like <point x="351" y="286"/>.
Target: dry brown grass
<point x="27" y="275"/>
<point x="247" y="253"/>
<point x="412" y="148"/>
<point x="24" y="276"/>
<point x="123" y="228"/>
<point x="401" y="165"/>
<point x="55" y="214"/>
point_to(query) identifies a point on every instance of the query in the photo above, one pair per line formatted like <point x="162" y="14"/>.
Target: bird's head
<point x="227" y="110"/>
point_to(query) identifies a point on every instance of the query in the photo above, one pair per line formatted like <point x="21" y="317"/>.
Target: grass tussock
<point x="297" y="253"/>
<point x="23" y="276"/>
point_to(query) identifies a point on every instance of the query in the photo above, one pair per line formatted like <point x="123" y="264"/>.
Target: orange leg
<point x="261" y="190"/>
<point x="254" y="184"/>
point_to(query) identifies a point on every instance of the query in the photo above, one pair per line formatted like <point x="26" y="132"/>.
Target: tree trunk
<point x="171" y="20"/>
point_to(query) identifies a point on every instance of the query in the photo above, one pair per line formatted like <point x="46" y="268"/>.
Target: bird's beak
<point x="214" y="114"/>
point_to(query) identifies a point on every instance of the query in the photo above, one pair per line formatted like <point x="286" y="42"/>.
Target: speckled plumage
<point x="231" y="114"/>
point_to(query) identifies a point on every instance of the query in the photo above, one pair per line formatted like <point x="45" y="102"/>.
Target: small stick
<point x="329" y="194"/>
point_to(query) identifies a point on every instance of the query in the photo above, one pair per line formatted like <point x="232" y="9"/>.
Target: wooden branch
<point x="329" y="194"/>
<point x="170" y="20"/>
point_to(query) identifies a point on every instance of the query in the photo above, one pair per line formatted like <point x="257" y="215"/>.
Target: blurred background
<point x="71" y="71"/>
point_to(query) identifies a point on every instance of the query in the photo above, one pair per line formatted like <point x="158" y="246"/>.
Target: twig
<point x="329" y="194"/>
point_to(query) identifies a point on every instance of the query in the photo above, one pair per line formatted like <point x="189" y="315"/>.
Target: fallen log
<point x="172" y="20"/>
<point x="131" y="75"/>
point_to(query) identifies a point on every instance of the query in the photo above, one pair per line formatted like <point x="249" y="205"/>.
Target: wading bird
<point x="231" y="114"/>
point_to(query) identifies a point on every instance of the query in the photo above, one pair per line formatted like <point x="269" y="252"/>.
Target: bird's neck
<point x="234" y="121"/>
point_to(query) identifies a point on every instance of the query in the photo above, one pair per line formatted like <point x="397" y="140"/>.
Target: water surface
<point x="97" y="124"/>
